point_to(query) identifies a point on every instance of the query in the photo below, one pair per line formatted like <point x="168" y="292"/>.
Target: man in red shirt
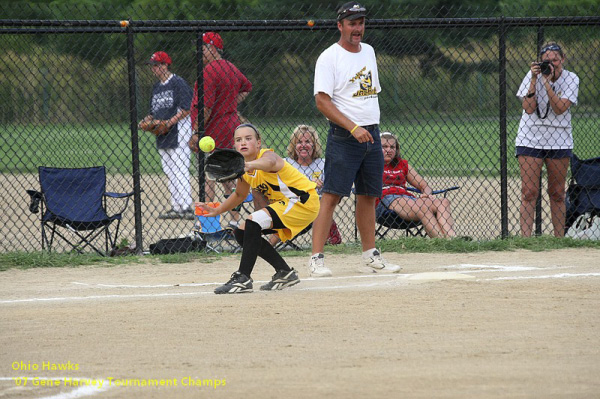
<point x="224" y="88"/>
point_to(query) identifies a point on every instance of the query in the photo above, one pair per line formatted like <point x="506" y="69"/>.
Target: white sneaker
<point x="316" y="266"/>
<point x="376" y="264"/>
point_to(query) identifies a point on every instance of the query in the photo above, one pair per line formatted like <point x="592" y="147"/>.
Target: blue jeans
<point x="349" y="162"/>
<point x="386" y="201"/>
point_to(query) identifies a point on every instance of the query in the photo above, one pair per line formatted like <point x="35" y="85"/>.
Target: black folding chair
<point x="583" y="194"/>
<point x="390" y="220"/>
<point x="74" y="201"/>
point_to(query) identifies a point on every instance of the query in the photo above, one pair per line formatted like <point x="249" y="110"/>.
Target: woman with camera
<point x="545" y="134"/>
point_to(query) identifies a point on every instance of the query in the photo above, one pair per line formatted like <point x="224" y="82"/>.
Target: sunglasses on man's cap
<point x="351" y="10"/>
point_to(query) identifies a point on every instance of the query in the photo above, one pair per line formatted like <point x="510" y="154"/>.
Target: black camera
<point x="545" y="67"/>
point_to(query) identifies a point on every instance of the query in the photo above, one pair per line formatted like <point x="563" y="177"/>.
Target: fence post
<point x="503" y="135"/>
<point x="200" y="107"/>
<point x="135" y="151"/>
<point x="538" y="201"/>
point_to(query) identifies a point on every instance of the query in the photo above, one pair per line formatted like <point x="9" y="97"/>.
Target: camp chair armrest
<point x="435" y="192"/>
<point x="118" y="195"/>
<point x="34" y="193"/>
<point x="36" y="198"/>
<point x="445" y="190"/>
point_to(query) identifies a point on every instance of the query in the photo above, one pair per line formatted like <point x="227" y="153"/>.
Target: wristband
<point x="529" y="95"/>
<point x="353" y="129"/>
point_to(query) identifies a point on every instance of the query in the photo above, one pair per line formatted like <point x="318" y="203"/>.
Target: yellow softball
<point x="207" y="144"/>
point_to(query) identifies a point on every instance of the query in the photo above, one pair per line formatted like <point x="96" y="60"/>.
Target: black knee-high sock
<point x="239" y="236"/>
<point x="250" y="242"/>
<point x="270" y="254"/>
<point x="265" y="250"/>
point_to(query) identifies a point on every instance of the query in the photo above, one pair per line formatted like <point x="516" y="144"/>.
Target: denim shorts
<point x="349" y="162"/>
<point x="386" y="201"/>
<point x="544" y="154"/>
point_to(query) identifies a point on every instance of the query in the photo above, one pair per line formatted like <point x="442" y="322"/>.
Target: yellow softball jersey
<point x="290" y="194"/>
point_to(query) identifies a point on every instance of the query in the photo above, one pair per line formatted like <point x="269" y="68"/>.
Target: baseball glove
<point x="155" y="126"/>
<point x="224" y="165"/>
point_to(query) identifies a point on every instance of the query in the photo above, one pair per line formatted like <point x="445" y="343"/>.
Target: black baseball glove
<point x="224" y="165"/>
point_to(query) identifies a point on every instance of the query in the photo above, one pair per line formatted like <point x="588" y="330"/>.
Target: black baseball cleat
<point x="237" y="284"/>
<point x="281" y="280"/>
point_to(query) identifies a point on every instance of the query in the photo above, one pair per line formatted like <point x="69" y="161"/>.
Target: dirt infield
<point x="486" y="325"/>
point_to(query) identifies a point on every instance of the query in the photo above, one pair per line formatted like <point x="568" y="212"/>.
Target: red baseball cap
<point x="160" y="57"/>
<point x="213" y="38"/>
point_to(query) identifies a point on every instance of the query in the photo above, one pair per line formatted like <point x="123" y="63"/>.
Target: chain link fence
<point x="74" y="90"/>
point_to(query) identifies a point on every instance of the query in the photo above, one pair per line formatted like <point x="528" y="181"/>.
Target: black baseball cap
<point x="351" y="10"/>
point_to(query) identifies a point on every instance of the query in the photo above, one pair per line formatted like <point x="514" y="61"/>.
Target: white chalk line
<point x="493" y="268"/>
<point x="498" y="268"/>
<point x="144" y="286"/>
<point x="560" y="275"/>
<point x="175" y="294"/>
<point x="80" y="392"/>
<point x="373" y="275"/>
<point x="339" y="287"/>
<point x="91" y="297"/>
<point x="471" y="268"/>
<point x="463" y="266"/>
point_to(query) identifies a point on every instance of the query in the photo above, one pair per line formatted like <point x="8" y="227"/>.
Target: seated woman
<point x="433" y="213"/>
<point x="304" y="154"/>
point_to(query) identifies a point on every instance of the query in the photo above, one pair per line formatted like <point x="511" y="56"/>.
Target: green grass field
<point x="449" y="146"/>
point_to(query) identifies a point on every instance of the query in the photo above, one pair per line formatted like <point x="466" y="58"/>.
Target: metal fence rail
<point x="74" y="91"/>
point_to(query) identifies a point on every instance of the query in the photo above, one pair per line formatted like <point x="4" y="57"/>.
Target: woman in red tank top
<point x="433" y="213"/>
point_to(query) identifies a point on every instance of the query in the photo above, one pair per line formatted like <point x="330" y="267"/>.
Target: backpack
<point x="177" y="245"/>
<point x="585" y="227"/>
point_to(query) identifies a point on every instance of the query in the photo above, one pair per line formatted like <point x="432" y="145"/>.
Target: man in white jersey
<point x="346" y="88"/>
<point x="171" y="101"/>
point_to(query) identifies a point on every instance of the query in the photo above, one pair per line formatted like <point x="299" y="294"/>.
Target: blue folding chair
<point x="216" y="238"/>
<point x="75" y="200"/>
<point x="389" y="219"/>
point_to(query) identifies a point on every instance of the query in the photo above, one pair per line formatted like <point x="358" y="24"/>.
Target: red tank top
<point x="394" y="179"/>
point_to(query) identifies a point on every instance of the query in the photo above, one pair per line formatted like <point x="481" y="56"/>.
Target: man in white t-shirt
<point x="346" y="88"/>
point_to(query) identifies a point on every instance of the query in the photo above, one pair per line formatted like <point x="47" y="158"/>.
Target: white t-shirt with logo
<point x="554" y="131"/>
<point x="352" y="82"/>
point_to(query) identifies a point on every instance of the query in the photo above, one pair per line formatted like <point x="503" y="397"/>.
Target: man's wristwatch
<point x="529" y="95"/>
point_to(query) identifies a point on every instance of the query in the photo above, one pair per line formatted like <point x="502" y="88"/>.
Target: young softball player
<point x="293" y="205"/>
